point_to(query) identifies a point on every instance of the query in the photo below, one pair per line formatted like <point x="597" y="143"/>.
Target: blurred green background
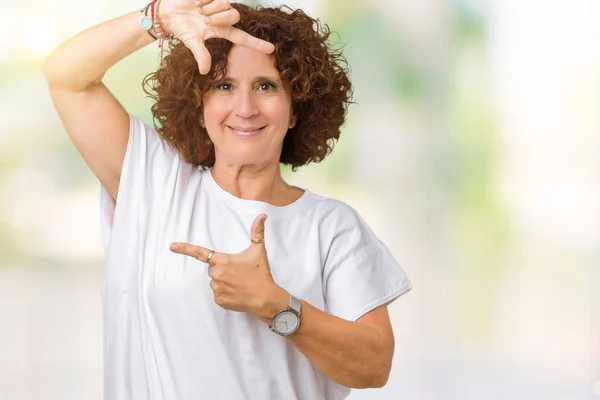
<point x="472" y="152"/>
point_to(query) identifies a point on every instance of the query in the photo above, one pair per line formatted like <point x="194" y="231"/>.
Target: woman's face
<point x="249" y="112"/>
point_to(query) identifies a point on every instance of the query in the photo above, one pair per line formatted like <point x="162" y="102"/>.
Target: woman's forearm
<point x="85" y="58"/>
<point x="350" y="353"/>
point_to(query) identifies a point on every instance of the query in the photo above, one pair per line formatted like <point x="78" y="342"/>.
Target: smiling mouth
<point x="246" y="132"/>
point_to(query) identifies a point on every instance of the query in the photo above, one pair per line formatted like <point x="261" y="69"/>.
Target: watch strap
<point x="295" y="304"/>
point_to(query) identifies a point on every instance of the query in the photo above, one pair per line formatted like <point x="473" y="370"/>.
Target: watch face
<point x="286" y="322"/>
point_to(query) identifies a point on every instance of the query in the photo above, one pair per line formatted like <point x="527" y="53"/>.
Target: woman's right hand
<point x="193" y="22"/>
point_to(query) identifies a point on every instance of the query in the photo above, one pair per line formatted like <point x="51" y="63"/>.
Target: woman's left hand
<point x="242" y="281"/>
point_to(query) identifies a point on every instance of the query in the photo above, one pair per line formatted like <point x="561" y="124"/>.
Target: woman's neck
<point x="256" y="182"/>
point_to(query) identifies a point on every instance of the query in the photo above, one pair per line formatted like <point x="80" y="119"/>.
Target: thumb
<point x="257" y="231"/>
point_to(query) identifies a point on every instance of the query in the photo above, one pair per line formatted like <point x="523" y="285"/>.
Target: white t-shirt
<point x="165" y="338"/>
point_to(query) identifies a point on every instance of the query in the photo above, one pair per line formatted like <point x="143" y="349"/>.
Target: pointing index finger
<point x="198" y="252"/>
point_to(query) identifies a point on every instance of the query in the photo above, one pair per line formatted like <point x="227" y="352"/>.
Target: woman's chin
<point x="246" y="158"/>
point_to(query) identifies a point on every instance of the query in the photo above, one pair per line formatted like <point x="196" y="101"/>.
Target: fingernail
<point x="174" y="246"/>
<point x="207" y="20"/>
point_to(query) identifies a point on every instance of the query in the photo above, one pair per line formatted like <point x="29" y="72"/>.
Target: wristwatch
<point x="287" y="321"/>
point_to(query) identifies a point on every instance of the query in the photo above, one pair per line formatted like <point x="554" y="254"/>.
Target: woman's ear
<point x="293" y="121"/>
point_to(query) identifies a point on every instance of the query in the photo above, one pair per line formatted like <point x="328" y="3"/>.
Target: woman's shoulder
<point x="343" y="229"/>
<point x="333" y="208"/>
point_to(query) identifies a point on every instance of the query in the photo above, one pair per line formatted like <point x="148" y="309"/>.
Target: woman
<point x="202" y="298"/>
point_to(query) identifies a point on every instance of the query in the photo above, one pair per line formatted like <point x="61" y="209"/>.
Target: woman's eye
<point x="224" y="86"/>
<point x="266" y="86"/>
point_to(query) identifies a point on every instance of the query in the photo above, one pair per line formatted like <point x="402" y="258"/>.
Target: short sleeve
<point x="360" y="274"/>
<point x="146" y="157"/>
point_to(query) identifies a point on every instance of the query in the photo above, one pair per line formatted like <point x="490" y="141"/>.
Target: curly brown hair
<point x="315" y="73"/>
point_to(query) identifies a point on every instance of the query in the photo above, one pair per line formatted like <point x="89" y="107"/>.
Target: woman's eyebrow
<point x="256" y="79"/>
<point x="266" y="78"/>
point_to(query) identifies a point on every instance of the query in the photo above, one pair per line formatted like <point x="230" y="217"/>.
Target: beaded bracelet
<point x="153" y="26"/>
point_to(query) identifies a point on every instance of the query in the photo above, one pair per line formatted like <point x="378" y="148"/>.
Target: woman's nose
<point x="245" y="106"/>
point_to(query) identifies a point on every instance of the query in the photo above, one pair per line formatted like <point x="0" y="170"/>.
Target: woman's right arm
<point x="96" y="122"/>
<point x="94" y="119"/>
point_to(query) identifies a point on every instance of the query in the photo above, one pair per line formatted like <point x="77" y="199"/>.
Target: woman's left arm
<point x="353" y="354"/>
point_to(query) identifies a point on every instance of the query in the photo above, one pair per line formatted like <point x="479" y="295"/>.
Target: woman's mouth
<point x="245" y="132"/>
